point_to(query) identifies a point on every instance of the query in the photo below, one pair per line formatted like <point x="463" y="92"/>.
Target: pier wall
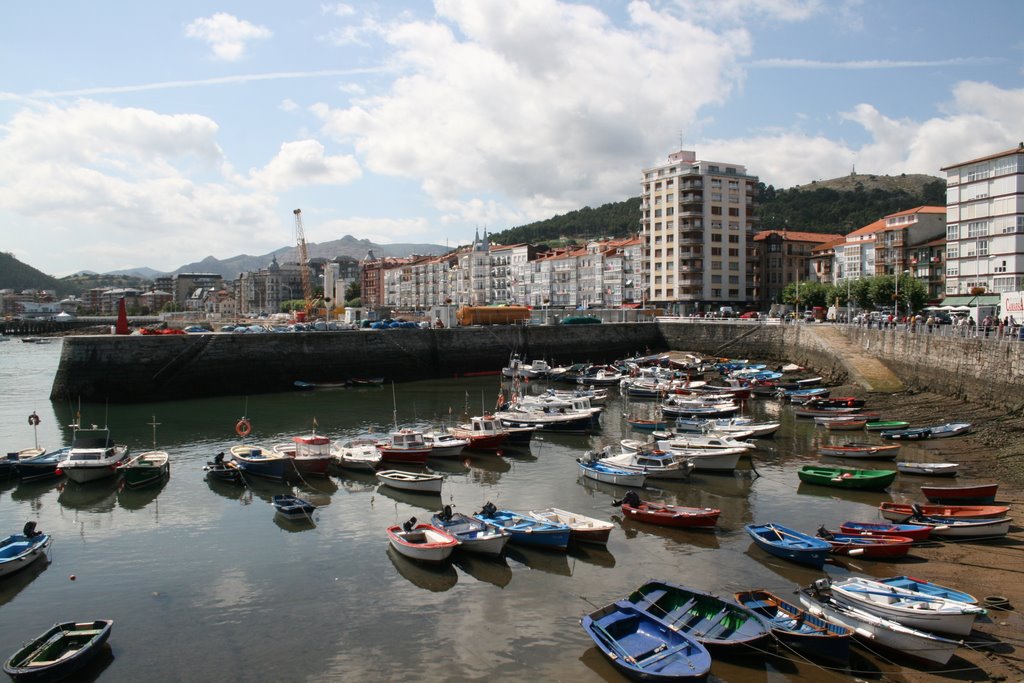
<point x="147" y="368"/>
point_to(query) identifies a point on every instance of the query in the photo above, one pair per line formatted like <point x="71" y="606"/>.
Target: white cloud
<point x="724" y="12"/>
<point x="288" y="104"/>
<point x="548" y="104"/>
<point x="870" y="64"/>
<point x="338" y="9"/>
<point x="227" y="35"/>
<point x="304" y="163"/>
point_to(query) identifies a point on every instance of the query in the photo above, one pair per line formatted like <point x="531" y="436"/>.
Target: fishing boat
<point x="847" y="478"/>
<point x="926" y="587"/>
<point x="645" y="425"/>
<point x="712" y="621"/>
<point x="293" y="507"/>
<point x="915" y="434"/>
<point x="18" y="551"/>
<point x="788" y="544"/>
<point x="886" y="425"/>
<point x="728" y="426"/>
<point x="42" y="466"/>
<point x="444" y="444"/>
<point x="978" y="493"/>
<point x="797" y="629"/>
<point x="902" y="512"/>
<point x="860" y="451"/>
<point x="849" y="425"/>
<point x="357" y="455"/>
<point x="703" y="442"/>
<point x="929" y="469"/>
<point x="473" y="535"/>
<point x="405" y="446"/>
<point x="526" y="530"/>
<point x="949" y="429"/>
<point x="582" y="529"/>
<point x="876" y="631"/>
<point x="667" y="515"/>
<point x="833" y="402"/>
<point x="915" y="532"/>
<point x="910" y="608"/>
<point x="260" y="462"/>
<point x="422" y="542"/>
<point x="867" y="546"/>
<point x="60" y="651"/>
<point x="825" y="412"/>
<point x="644" y="648"/>
<point x="654" y="463"/>
<point x="93" y="455"/>
<point x="592" y="467"/>
<point x="485" y="433"/>
<point x="416" y="482"/>
<point x="148" y="468"/>
<point x="311" y="454"/>
<point x="224" y="470"/>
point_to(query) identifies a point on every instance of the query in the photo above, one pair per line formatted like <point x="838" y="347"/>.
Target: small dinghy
<point x="847" y="478"/>
<point x="797" y="629"/>
<point x="416" y="482"/>
<point x="979" y="493"/>
<point x="929" y="469"/>
<point x="224" y="470"/>
<point x="667" y="515"/>
<point x="916" y="434"/>
<point x="902" y="512"/>
<point x="18" y="551"/>
<point x="866" y="545"/>
<point x="789" y="544"/>
<point x="643" y="647"/>
<point x="926" y="587"/>
<point x="915" y="532"/>
<point x="473" y="535"/>
<point x="582" y="529"/>
<point x="59" y="652"/>
<point x="860" y="451"/>
<point x="910" y="608"/>
<point x="422" y="542"/>
<point x="293" y="507"/>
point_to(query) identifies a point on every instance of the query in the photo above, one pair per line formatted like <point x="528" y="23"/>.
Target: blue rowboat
<point x="645" y="648"/>
<point x="293" y="507"/>
<point x="789" y="544"/>
<point x="526" y="530"/>
<point x="797" y="629"/>
<point x="928" y="588"/>
<point x="915" y="434"/>
<point x="262" y="462"/>
<point x="18" y="551"/>
<point x="712" y="621"/>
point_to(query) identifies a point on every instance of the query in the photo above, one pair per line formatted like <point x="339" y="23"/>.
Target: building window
<point x="734" y="211"/>
<point x="716" y="211"/>
<point x="952" y="233"/>
<point x="977" y="229"/>
<point x="716" y="251"/>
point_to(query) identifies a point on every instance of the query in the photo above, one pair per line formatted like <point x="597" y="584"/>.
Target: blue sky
<point x="156" y="134"/>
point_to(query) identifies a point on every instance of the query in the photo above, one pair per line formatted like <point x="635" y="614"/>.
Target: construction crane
<point x="300" y="240"/>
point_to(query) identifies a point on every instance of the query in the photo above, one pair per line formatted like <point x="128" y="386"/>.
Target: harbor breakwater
<point x="146" y="368"/>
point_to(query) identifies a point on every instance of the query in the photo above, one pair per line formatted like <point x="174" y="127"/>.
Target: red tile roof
<point x="796" y="236"/>
<point x="1019" y="149"/>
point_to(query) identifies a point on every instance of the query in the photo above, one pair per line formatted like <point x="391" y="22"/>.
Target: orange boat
<point x="902" y="512"/>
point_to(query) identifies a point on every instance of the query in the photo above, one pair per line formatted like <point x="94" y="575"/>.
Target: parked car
<point x="749" y="315"/>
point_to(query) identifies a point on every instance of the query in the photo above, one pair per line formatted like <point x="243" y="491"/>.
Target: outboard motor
<point x="916" y="509"/>
<point x="219" y="458"/>
<point x="446" y="513"/>
<point x="824" y="533"/>
<point x="488" y="509"/>
<point x="408" y="526"/>
<point x="29" y="530"/>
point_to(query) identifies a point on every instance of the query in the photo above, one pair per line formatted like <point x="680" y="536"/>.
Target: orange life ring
<point x="243" y="427"/>
<point x="33" y="419"/>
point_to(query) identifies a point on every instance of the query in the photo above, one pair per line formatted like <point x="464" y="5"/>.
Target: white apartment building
<point x="985" y="224"/>
<point x="697" y="218"/>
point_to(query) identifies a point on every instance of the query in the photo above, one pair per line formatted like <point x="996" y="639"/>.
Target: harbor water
<point x="205" y="583"/>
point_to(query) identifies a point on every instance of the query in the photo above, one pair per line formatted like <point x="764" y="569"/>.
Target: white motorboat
<point x="18" y="551"/>
<point x="655" y="464"/>
<point x="93" y="456"/>
<point x="927" y="612"/>
<point x="357" y="455"/>
<point x="931" y="469"/>
<point x="473" y="535"/>
<point x="417" y="482"/>
<point x="876" y="630"/>
<point x="422" y="542"/>
<point x="592" y="468"/>
<point x="703" y="441"/>
<point x="444" y="444"/>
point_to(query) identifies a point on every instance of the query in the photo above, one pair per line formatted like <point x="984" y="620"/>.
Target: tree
<point x="353" y="291"/>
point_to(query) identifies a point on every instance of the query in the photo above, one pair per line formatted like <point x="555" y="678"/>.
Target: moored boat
<point x="978" y="493"/>
<point x="954" y="527"/>
<point x="591" y="467"/>
<point x="93" y="455"/>
<point x="146" y="469"/>
<point x="711" y="620"/>
<point x="886" y="425"/>
<point x="860" y="451"/>
<point x="949" y="429"/>
<point x="42" y="466"/>
<point x="866" y="545"/>
<point x="847" y="478"/>
<point x="643" y="647"/>
<point x="655" y="464"/>
<point x="59" y="652"/>
<point x="224" y="470"/>
<point x="910" y="608"/>
<point x="416" y="482"/>
<point x="357" y="455"/>
<point x="667" y="515"/>
<point x="422" y="542"/>
<point x="846" y="425"/>
<point x="797" y="629"/>
<point x="876" y="631"/>
<point x="789" y="544"/>
<point x="526" y="530"/>
<point x="310" y="454"/>
<point x="915" y="434"/>
<point x="444" y="444"/>
<point x="473" y="535"/>
<point x="915" y="532"/>
<point x="257" y="461"/>
<point x="926" y="587"/>
<point x="404" y="446"/>
<point x="902" y="512"/>
<point x="18" y="551"/>
<point x="485" y="433"/>
<point x="582" y="529"/>
<point x="929" y="469"/>
<point x="293" y="507"/>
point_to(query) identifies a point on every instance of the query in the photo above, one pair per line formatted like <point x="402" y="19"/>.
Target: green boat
<point x="847" y="478"/>
<point x="886" y="425"/>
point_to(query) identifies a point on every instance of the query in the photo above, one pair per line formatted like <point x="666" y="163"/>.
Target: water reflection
<point x="449" y="465"/>
<point x="96" y="496"/>
<point x="228" y="489"/>
<point x="357" y="482"/>
<point x="872" y="498"/>
<point x="679" y="539"/>
<point x="294" y="526"/>
<point x="136" y="499"/>
<point x="34" y="490"/>
<point x="492" y="570"/>
<point x="94" y="669"/>
<point x="550" y="561"/>
<point x="12" y="584"/>
<point x="434" y="578"/>
<point x="424" y="501"/>
<point x="592" y="553"/>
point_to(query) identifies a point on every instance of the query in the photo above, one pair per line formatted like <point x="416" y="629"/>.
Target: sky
<point x="137" y="134"/>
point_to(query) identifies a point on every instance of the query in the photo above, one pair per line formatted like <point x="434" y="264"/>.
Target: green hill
<point x="837" y="205"/>
<point x="17" y="276"/>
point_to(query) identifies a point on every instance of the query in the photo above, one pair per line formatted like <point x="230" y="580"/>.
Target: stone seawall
<point x="147" y="368"/>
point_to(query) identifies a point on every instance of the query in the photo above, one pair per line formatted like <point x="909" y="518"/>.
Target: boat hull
<point x="258" y="462"/>
<point x="59" y="652"/>
<point x="899" y="512"/>
<point x="672" y="515"/>
<point x="915" y="532"/>
<point x="414" y="483"/>
<point x="18" y="551"/>
<point x="146" y="469"/>
<point x="796" y="629"/>
<point x="423" y="543"/>
<point x="790" y="545"/>
<point x="611" y="475"/>
<point x="582" y="529"/>
<point x="927" y="614"/>
<point x="981" y="494"/>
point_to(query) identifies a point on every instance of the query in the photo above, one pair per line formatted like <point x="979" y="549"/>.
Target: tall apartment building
<point x="985" y="224"/>
<point x="697" y="218"/>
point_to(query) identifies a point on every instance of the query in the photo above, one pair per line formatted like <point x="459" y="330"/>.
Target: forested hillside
<point x="838" y="205"/>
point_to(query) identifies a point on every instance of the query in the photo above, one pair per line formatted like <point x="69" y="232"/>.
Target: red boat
<point x="864" y="545"/>
<point x="667" y="515"/>
<point x="902" y="512"/>
<point x="982" y="493"/>
<point x="405" y="446"/>
<point x="311" y="454"/>
<point x="485" y="433"/>
<point x="915" y="532"/>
